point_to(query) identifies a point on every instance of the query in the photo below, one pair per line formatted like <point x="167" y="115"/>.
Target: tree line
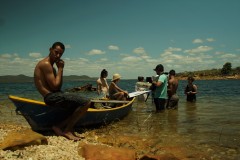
<point x="226" y="70"/>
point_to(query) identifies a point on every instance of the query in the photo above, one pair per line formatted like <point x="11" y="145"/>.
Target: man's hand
<point x="60" y="64"/>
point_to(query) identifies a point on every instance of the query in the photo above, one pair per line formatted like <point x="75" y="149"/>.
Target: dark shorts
<point x="191" y="98"/>
<point x="173" y="101"/>
<point x="66" y="101"/>
<point x="159" y="103"/>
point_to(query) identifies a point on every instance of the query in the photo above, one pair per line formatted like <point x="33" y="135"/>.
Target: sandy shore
<point x="61" y="148"/>
<point x="57" y="148"/>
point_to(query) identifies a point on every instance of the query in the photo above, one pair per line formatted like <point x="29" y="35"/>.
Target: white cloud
<point x="145" y="57"/>
<point x="103" y="59"/>
<point x="171" y="49"/>
<point x="16" y="65"/>
<point x="199" y="49"/>
<point x="95" y="52"/>
<point x="210" y="39"/>
<point x="83" y="60"/>
<point x="166" y="53"/>
<point x="152" y="60"/>
<point x="207" y="56"/>
<point x="35" y="55"/>
<point x="112" y="47"/>
<point x="6" y="55"/>
<point x="228" y="55"/>
<point x="197" y="41"/>
<point x="131" y="59"/>
<point x="139" y="50"/>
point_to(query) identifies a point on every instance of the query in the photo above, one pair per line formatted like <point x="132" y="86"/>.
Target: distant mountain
<point x="77" y="78"/>
<point x="15" y="78"/>
<point x="22" y="78"/>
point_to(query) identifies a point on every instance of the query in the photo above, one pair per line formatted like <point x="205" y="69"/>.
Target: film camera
<point x="150" y="80"/>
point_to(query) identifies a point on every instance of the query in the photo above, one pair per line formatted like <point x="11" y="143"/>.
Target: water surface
<point x="211" y="125"/>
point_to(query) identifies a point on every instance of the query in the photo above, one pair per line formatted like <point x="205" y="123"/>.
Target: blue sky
<point x="129" y="37"/>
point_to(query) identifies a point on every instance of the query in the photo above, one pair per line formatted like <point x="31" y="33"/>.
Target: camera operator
<point x="160" y="88"/>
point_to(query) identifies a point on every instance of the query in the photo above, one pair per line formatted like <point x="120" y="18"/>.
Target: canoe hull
<point x="42" y="117"/>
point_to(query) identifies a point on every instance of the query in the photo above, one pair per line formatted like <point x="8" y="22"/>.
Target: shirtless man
<point x="102" y="85"/>
<point x="172" y="91"/>
<point x="48" y="82"/>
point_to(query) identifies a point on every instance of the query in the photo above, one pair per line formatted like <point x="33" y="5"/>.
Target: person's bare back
<point x="173" y="85"/>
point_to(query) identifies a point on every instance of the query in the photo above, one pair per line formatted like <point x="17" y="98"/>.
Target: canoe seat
<point x="108" y="101"/>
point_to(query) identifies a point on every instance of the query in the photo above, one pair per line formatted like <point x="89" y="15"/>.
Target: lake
<point x="211" y="125"/>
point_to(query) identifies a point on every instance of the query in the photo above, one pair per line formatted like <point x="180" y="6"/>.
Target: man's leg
<point x="70" y="101"/>
<point x="157" y="104"/>
<point x="77" y="114"/>
<point x="162" y="103"/>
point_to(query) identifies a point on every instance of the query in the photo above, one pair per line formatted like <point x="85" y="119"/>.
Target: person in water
<point x="172" y="90"/>
<point x="115" y="92"/>
<point x="102" y="85"/>
<point x="142" y="86"/>
<point x="191" y="90"/>
<point x="160" y="92"/>
<point x="48" y="82"/>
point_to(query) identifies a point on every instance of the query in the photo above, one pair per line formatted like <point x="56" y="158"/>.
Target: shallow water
<point x="211" y="125"/>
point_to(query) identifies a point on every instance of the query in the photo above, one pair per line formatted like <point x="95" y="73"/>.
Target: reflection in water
<point x="173" y="120"/>
<point x="191" y="124"/>
<point x="191" y="117"/>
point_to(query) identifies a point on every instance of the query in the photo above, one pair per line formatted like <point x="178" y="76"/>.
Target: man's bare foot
<point x="57" y="131"/>
<point x="70" y="136"/>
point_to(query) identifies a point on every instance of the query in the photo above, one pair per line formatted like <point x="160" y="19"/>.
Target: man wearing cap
<point x="116" y="92"/>
<point x="160" y="93"/>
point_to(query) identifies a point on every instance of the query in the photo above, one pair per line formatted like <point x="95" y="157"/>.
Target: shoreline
<point x="236" y="77"/>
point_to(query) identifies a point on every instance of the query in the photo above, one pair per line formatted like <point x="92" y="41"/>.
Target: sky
<point x="129" y="37"/>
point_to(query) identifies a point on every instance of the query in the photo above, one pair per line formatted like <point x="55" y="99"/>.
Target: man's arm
<point x="158" y="82"/>
<point x="119" y="89"/>
<point x="195" y="89"/>
<point x="54" y="80"/>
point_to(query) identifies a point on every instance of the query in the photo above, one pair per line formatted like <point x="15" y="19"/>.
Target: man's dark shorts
<point x="173" y="102"/>
<point x="66" y="101"/>
<point x="160" y="104"/>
